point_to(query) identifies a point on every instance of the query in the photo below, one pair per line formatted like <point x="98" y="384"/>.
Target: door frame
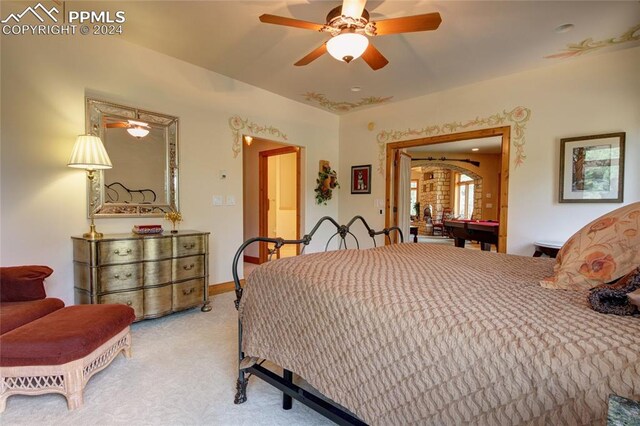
<point x="263" y="197"/>
<point x="503" y="180"/>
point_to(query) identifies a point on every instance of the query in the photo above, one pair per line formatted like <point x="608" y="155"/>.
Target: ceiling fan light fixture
<point x="347" y="46"/>
<point x="138" y="129"/>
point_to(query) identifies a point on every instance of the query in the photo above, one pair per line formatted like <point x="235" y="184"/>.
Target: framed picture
<point x="361" y="179"/>
<point x="592" y="169"/>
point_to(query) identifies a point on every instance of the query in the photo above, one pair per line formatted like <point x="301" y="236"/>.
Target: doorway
<point x="276" y="166"/>
<point x="453" y="180"/>
<point x="279" y="203"/>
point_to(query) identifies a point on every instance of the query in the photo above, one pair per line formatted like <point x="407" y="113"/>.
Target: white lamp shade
<point x="89" y="153"/>
<point x="347" y="46"/>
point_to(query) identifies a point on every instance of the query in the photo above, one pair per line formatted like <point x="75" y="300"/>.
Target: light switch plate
<point x="231" y="200"/>
<point x="218" y="200"/>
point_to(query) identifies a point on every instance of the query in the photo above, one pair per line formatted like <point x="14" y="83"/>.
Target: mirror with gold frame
<point x="143" y="147"/>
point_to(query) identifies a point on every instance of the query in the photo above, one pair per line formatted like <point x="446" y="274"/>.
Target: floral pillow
<point x="603" y="251"/>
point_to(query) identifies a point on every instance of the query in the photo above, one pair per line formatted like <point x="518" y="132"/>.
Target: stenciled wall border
<point x="344" y="106"/>
<point x="240" y="125"/>
<point x="517" y="118"/>
<point x="588" y="45"/>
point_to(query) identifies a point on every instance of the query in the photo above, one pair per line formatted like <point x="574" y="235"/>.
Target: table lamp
<point x="89" y="154"/>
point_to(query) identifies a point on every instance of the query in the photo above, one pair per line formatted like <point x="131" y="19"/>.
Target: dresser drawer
<point x="123" y="251"/>
<point x="158" y="248"/>
<point x="187" y="294"/>
<point x="188" y="267"/>
<point x="188" y="245"/>
<point x="157" y="301"/>
<point x="135" y="299"/>
<point x="158" y="272"/>
<point x="119" y="277"/>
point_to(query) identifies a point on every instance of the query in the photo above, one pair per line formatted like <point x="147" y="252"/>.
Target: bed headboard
<point x="342" y="232"/>
<point x="116" y="192"/>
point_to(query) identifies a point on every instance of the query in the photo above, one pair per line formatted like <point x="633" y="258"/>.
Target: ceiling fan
<point x="349" y="27"/>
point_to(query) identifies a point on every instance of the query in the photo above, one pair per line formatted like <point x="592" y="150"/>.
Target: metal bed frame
<point x="285" y="383"/>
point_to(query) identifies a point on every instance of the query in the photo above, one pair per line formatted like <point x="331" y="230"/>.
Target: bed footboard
<point x="285" y="383"/>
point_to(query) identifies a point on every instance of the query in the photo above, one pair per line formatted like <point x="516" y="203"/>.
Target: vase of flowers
<point x="174" y="217"/>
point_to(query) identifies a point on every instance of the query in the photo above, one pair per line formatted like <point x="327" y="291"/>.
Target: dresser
<point x="154" y="274"/>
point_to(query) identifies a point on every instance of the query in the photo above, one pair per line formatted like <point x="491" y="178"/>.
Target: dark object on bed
<point x="285" y="383"/>
<point x="116" y="192"/>
<point x="613" y="299"/>
<point x="623" y="411"/>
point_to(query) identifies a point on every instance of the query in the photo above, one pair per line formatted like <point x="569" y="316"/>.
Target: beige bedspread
<point x="430" y="334"/>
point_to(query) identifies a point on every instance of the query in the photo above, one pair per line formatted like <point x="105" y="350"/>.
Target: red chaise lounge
<point x="46" y="347"/>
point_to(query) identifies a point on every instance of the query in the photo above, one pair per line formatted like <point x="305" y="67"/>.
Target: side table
<point x="550" y="248"/>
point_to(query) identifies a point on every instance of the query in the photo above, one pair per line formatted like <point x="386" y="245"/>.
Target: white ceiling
<point x="477" y="40"/>
<point x="492" y="145"/>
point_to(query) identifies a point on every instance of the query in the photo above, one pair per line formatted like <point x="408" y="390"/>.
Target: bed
<point x="432" y="334"/>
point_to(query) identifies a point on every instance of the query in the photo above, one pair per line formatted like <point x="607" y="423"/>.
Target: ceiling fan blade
<point x="315" y="54"/>
<point x="353" y="8"/>
<point x="117" y="124"/>
<point x="374" y="58"/>
<point x="290" y="22"/>
<point x="408" y="24"/>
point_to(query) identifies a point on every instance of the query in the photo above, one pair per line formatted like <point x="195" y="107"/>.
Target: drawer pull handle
<point x="188" y="267"/>
<point x="127" y="275"/>
<point x="126" y="253"/>
<point x="188" y="292"/>
<point x="129" y="303"/>
<point x="189" y="246"/>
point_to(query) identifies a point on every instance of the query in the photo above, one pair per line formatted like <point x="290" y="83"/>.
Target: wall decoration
<point x="361" y="179"/>
<point x="588" y="45"/>
<point x="327" y="181"/>
<point x="239" y="126"/>
<point x="592" y="169"/>
<point x="343" y="106"/>
<point x="517" y="118"/>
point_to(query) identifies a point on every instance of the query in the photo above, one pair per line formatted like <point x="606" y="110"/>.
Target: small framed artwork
<point x="361" y="179"/>
<point x="592" y="169"/>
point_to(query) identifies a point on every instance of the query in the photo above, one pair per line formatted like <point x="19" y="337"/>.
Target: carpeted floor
<point x="182" y="372"/>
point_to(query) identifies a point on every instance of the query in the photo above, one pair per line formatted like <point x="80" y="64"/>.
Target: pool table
<point x="486" y="232"/>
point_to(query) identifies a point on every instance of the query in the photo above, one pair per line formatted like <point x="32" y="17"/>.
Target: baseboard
<point x="252" y="259"/>
<point x="223" y="287"/>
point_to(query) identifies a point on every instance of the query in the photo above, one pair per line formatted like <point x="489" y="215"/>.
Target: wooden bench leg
<point x="74" y="384"/>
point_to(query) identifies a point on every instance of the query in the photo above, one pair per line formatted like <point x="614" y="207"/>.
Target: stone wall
<point x="436" y="188"/>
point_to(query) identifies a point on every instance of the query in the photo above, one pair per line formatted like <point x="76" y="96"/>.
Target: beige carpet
<point x="182" y="372"/>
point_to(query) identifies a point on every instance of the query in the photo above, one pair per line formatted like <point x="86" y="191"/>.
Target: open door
<point x="394" y="189"/>
<point x="402" y="192"/>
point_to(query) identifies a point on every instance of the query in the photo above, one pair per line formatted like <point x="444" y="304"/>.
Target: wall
<point x="44" y="81"/>
<point x="587" y="95"/>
